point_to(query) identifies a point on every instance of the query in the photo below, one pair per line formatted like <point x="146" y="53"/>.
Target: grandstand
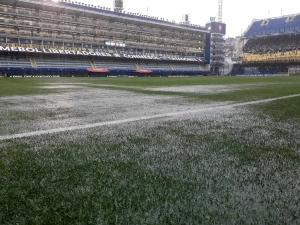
<point x="271" y="46"/>
<point x="70" y="38"/>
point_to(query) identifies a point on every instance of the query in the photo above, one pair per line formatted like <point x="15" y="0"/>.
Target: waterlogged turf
<point x="232" y="165"/>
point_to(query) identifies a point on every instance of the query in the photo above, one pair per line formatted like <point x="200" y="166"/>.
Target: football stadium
<point x="113" y="117"/>
<point x="271" y="47"/>
<point x="68" y="38"/>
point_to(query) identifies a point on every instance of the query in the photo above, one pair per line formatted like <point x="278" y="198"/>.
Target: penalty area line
<point x="129" y="120"/>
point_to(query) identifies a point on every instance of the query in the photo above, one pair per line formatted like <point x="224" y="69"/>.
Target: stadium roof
<point x="93" y="11"/>
<point x="274" y="26"/>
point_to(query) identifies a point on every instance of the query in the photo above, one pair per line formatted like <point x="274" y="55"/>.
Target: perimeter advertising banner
<point x="88" y="53"/>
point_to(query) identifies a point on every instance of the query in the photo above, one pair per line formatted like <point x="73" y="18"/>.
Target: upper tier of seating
<point x="273" y="44"/>
<point x="272" y="26"/>
<point x="131" y="15"/>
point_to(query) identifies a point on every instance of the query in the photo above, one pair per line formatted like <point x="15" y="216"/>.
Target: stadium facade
<point x="70" y="38"/>
<point x="271" y="47"/>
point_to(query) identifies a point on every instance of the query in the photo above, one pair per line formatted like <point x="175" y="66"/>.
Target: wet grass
<point x="170" y="174"/>
<point x="260" y="87"/>
<point x="23" y="86"/>
<point x="285" y="110"/>
<point x="240" y="167"/>
<point x="15" y="115"/>
<point x="248" y="94"/>
<point x="29" y="86"/>
<point x="179" y="81"/>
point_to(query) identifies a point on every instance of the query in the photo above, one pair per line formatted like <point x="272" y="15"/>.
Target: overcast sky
<point x="237" y="14"/>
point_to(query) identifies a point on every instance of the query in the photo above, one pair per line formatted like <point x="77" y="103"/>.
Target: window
<point x="290" y="19"/>
<point x="265" y="22"/>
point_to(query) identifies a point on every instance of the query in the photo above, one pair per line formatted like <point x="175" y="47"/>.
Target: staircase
<point x="92" y="64"/>
<point x="33" y="62"/>
<point x="172" y="67"/>
<point x="137" y="66"/>
<point x="228" y="66"/>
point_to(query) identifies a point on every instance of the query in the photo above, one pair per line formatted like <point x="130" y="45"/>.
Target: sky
<point x="237" y="14"/>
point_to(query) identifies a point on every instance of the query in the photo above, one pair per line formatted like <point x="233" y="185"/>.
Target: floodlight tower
<point x="220" y="11"/>
<point x="216" y="54"/>
<point x="186" y="18"/>
<point x="118" y="5"/>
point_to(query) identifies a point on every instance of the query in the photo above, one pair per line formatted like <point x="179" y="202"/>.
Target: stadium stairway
<point x="33" y="62"/>
<point x="137" y="66"/>
<point x="172" y="67"/>
<point x="228" y="67"/>
<point x="92" y="63"/>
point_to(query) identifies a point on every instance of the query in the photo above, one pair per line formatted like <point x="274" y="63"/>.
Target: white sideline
<point x="115" y="122"/>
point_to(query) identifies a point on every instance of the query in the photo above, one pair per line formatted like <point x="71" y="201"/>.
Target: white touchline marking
<point x="116" y="122"/>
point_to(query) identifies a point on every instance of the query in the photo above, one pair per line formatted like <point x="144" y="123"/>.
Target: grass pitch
<point x="228" y="165"/>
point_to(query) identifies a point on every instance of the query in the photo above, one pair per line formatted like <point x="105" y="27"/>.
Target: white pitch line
<point x="116" y="122"/>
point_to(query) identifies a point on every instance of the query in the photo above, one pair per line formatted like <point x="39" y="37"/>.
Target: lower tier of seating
<point x="260" y="69"/>
<point x="95" y="66"/>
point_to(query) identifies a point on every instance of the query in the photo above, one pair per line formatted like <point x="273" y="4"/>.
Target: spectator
<point x="273" y="44"/>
